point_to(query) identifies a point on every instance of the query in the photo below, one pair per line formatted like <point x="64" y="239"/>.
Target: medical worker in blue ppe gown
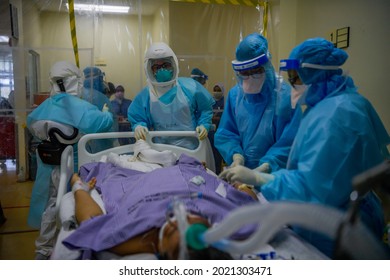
<point x="199" y="76"/>
<point x="64" y="110"/>
<point x="340" y="136"/>
<point x="255" y="130"/>
<point x="170" y="103"/>
<point x="94" y="92"/>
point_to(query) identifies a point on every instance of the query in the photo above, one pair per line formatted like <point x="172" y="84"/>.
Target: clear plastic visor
<point x="294" y="64"/>
<point x="153" y="65"/>
<point x="250" y="64"/>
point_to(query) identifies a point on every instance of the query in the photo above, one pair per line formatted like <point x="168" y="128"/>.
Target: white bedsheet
<point x="144" y="159"/>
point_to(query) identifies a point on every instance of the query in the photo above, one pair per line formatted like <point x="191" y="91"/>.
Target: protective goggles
<point x="250" y="64"/>
<point x="164" y="65"/>
<point x="294" y="64"/>
<point x="255" y="73"/>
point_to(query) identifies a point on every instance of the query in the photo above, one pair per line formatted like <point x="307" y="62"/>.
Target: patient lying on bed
<point x="136" y="203"/>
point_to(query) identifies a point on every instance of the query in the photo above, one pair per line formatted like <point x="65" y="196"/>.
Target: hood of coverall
<point x="94" y="78"/>
<point x="321" y="82"/>
<point x="199" y="76"/>
<point x="160" y="51"/>
<point x="71" y="76"/>
<point x="253" y="46"/>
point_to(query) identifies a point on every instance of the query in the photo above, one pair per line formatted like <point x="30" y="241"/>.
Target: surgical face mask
<point x="119" y="94"/>
<point x="217" y="95"/>
<point x="298" y="95"/>
<point x="163" y="75"/>
<point x="253" y="84"/>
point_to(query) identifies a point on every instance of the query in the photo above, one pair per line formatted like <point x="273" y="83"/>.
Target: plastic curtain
<point x="203" y="34"/>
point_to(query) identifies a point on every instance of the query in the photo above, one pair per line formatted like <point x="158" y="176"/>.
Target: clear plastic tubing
<point x="272" y="217"/>
<point x="180" y="213"/>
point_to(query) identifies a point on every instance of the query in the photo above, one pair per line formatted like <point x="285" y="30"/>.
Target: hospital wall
<point x="116" y="44"/>
<point x="368" y="45"/>
<point x="209" y="32"/>
<point x="205" y="37"/>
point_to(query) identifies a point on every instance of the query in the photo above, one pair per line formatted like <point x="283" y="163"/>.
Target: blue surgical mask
<point x="163" y="75"/>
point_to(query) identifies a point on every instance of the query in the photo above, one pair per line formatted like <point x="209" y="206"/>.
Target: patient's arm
<point x="86" y="207"/>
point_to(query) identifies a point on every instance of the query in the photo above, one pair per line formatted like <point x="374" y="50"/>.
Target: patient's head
<point x="169" y="242"/>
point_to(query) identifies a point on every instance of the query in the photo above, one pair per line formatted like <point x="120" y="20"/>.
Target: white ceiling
<point x="147" y="7"/>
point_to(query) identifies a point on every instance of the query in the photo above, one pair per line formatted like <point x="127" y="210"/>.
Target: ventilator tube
<point x="180" y="213"/>
<point x="272" y="217"/>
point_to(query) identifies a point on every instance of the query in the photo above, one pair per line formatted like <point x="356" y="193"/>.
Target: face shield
<point x="251" y="73"/>
<point x="290" y="65"/>
<point x="161" y="65"/>
<point x="299" y="88"/>
<point x="161" y="71"/>
<point x="200" y="78"/>
<point x="94" y="79"/>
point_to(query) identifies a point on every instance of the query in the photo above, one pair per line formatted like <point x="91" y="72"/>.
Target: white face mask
<point x="217" y="95"/>
<point x="298" y="95"/>
<point x="253" y="85"/>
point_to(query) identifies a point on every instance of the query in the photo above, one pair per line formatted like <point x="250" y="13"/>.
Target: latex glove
<point x="105" y="108"/>
<point x="140" y="132"/>
<point x="245" y="175"/>
<point x="202" y="131"/>
<point x="238" y="159"/>
<point x="265" y="167"/>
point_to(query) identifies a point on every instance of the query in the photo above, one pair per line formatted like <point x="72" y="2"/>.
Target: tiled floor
<point x="16" y="237"/>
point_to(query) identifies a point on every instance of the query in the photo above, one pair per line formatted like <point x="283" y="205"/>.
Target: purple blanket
<point x="137" y="202"/>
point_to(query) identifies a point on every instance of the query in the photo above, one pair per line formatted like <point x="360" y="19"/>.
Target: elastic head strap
<point x="60" y="84"/>
<point x="321" y="67"/>
<point x="294" y="64"/>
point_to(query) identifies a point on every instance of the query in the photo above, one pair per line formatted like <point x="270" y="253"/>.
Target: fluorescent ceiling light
<point x="101" y="8"/>
<point x="4" y="39"/>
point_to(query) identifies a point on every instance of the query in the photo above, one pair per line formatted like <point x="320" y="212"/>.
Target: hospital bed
<point x="203" y="152"/>
<point x="284" y="244"/>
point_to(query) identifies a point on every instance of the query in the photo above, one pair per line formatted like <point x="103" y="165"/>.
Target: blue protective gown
<point x="69" y="110"/>
<point x="257" y="127"/>
<point x="98" y="99"/>
<point x="339" y="137"/>
<point x="184" y="107"/>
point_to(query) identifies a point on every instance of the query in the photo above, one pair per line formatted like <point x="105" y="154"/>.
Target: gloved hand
<point x="265" y="167"/>
<point x="105" y="108"/>
<point x="140" y="132"/>
<point x="238" y="159"/>
<point x="202" y="131"/>
<point x="245" y="175"/>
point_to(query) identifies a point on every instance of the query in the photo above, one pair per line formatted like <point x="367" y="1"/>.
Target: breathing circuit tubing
<point x="179" y="210"/>
<point x="357" y="239"/>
